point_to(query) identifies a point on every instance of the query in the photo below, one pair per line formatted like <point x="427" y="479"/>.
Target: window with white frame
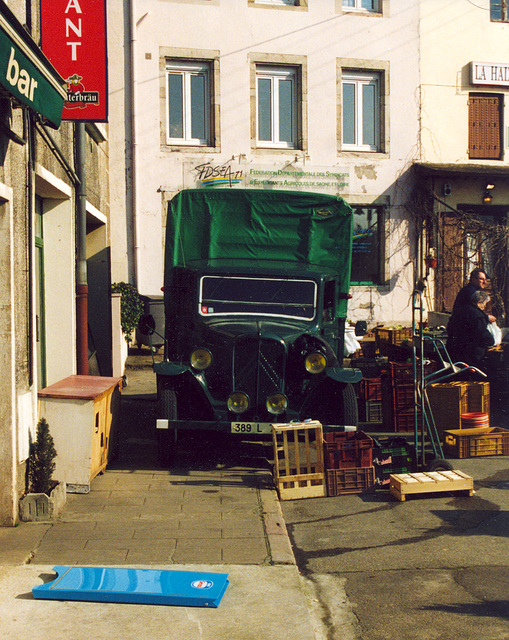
<point x="361" y="114"/>
<point x="499" y="10"/>
<point x="188" y="100"/>
<point x="368" y="245"/>
<point x="280" y="2"/>
<point x="362" y="5"/>
<point x="276" y="106"/>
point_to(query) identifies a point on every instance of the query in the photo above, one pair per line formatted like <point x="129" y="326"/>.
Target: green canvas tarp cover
<point x="307" y="229"/>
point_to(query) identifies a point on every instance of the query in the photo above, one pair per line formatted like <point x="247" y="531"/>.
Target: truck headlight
<point x="201" y="359"/>
<point x="277" y="403"/>
<point x="315" y="362"/>
<point x="238" y="402"/>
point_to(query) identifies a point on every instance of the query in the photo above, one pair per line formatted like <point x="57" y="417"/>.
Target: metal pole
<point x="81" y="253"/>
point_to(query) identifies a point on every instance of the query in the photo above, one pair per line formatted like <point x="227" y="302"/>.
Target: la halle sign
<point x="74" y="40"/>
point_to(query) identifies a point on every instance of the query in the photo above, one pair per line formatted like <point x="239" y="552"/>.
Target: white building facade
<point x="310" y="95"/>
<point x="391" y="104"/>
<point x="464" y="145"/>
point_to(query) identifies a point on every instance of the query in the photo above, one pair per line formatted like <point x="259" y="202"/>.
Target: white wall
<point x="453" y="34"/>
<point x="59" y="275"/>
<point x="323" y="35"/>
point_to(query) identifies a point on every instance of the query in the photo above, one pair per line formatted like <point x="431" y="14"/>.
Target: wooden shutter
<point x="484" y="127"/>
<point x="450" y="268"/>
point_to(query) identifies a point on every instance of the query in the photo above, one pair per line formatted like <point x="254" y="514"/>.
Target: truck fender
<point x="194" y="400"/>
<point x="349" y="376"/>
<point x="166" y="368"/>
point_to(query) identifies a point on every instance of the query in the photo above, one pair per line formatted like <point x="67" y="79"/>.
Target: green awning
<point x="25" y="71"/>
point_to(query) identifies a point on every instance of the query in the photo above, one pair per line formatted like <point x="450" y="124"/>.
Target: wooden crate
<point x="298" y="460"/>
<point x="385" y="335"/>
<point x="472" y="443"/>
<point x="479" y="397"/>
<point x="404" y="484"/>
<point x="448" y="400"/>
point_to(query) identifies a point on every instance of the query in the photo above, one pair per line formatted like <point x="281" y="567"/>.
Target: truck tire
<point x="167" y="438"/>
<point x="349" y="405"/>
<point x="337" y="405"/>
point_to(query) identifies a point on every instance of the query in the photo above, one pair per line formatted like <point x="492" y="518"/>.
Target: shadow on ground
<point x="137" y="447"/>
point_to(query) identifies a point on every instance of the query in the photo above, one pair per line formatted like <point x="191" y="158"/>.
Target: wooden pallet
<point x="298" y="460"/>
<point x="403" y="484"/>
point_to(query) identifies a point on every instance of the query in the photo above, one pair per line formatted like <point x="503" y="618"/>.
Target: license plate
<point x="251" y="427"/>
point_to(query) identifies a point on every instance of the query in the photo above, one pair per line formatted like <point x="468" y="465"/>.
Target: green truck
<point x="256" y="288"/>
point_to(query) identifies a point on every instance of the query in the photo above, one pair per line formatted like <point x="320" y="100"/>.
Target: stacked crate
<point x="370" y="400"/>
<point x="348" y="458"/>
<point x="392" y="455"/>
<point x="449" y="400"/>
<point x="394" y="343"/>
<point x="478" y="395"/>
<point x="399" y="413"/>
<point x="471" y="443"/>
<point x="370" y="367"/>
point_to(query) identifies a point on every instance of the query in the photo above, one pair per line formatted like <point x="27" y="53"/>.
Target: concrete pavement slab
<point x="260" y="602"/>
<point x="215" y="516"/>
<point x="195" y="517"/>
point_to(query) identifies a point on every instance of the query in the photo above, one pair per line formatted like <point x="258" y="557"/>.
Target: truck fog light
<point x="200" y="359"/>
<point x="277" y="403"/>
<point x="315" y="363"/>
<point x="238" y="402"/>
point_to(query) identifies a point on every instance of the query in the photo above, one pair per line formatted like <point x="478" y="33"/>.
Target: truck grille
<point x="258" y="368"/>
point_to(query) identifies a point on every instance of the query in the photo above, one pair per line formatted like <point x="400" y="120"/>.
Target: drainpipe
<point x="133" y="78"/>
<point x="81" y="253"/>
<point x="134" y="140"/>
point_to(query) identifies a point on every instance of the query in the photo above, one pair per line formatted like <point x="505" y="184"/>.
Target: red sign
<point x="74" y="40"/>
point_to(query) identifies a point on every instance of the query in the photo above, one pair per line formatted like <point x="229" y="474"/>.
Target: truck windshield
<point x="226" y="295"/>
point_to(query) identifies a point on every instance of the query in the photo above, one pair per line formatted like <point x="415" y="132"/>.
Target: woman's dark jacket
<point x="467" y="335"/>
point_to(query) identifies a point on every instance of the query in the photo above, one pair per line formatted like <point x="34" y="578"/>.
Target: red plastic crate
<point x="402" y="371"/>
<point x="370" y="389"/>
<point x="370" y="411"/>
<point x="405" y="370"/>
<point x="345" y="450"/>
<point x="403" y="396"/>
<point x="404" y="421"/>
<point x="344" y="481"/>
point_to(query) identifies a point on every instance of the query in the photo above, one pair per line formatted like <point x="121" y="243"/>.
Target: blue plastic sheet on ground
<point x="137" y="586"/>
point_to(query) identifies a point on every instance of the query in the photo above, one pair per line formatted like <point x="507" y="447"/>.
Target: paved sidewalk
<point x="153" y="517"/>
<point x="217" y="512"/>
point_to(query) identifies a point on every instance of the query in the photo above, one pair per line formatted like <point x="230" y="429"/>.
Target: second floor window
<point x="499" y="10"/>
<point x="362" y="5"/>
<point x="484" y="126"/>
<point x="276" y="107"/>
<point x="361" y="111"/>
<point x="188" y="93"/>
<point x="281" y="2"/>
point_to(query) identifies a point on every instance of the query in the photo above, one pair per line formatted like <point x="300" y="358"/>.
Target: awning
<point x="26" y="73"/>
<point x="449" y="169"/>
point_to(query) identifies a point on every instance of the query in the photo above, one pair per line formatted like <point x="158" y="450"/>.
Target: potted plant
<point x="46" y="496"/>
<point x="131" y="307"/>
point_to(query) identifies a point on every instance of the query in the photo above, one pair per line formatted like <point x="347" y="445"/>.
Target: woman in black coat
<point x="468" y="337"/>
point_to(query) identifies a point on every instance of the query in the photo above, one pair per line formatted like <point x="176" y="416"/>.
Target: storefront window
<point x="367" y="258"/>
